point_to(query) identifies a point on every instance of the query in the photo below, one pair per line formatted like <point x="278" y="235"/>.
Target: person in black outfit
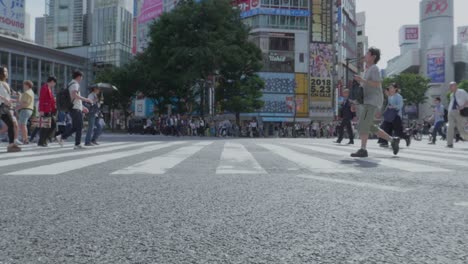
<point x="346" y="115"/>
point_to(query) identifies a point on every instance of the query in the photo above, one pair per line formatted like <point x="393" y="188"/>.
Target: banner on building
<point x="321" y="97"/>
<point x="321" y="60"/>
<point x="246" y="5"/>
<point x="150" y="10"/>
<point x="12" y="17"/>
<point x="276" y="12"/>
<point x="321" y="23"/>
<point x="436" y="65"/>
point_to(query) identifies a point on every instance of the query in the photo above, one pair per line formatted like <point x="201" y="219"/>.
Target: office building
<point x="40" y="31"/>
<point x="362" y="39"/>
<point x="28" y="61"/>
<point x="64" y="23"/>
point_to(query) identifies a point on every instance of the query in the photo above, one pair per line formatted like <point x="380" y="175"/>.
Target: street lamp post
<point x="348" y="60"/>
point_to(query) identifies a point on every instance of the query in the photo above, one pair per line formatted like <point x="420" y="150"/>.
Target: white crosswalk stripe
<point x="391" y="163"/>
<point x="236" y="159"/>
<point x="70" y="165"/>
<point x="163" y="163"/>
<point x="309" y="162"/>
<point x="49" y="150"/>
<point x="61" y="156"/>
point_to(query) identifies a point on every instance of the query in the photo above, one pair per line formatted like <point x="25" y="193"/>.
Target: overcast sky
<point x="384" y="19"/>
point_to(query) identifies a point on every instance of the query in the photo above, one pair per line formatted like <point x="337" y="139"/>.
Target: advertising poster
<point x="462" y="34"/>
<point x="436" y="65"/>
<point x="150" y="10"/>
<point x="321" y="60"/>
<point x="12" y="16"/>
<point x="321" y="97"/>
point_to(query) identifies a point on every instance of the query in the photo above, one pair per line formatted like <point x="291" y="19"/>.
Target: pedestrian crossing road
<point x="164" y="200"/>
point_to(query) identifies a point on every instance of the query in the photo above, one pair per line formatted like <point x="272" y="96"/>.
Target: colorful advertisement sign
<point x="436" y="65"/>
<point x="321" y="24"/>
<point x="150" y="10"/>
<point x="275" y="11"/>
<point x="246" y="5"/>
<point x="321" y="60"/>
<point x="12" y="16"/>
<point x="321" y="97"/>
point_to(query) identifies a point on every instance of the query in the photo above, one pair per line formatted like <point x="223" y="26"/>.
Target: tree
<point x="195" y="42"/>
<point x="413" y="87"/>
<point x="463" y="85"/>
<point x="124" y="79"/>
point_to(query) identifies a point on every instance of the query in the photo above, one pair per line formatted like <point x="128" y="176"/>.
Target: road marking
<point x="236" y="159"/>
<point x="402" y="154"/>
<point x="72" y="153"/>
<point x="48" y="150"/>
<point x="358" y="184"/>
<point x="163" y="163"/>
<point x="433" y="152"/>
<point x="462" y="204"/>
<point x="309" y="162"/>
<point x="393" y="163"/>
<point x="75" y="164"/>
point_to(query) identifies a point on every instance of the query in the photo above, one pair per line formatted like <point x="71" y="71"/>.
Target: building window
<point x="359" y="33"/>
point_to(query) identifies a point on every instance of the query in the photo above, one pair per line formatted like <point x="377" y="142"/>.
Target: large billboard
<point x="321" y="82"/>
<point x="150" y="10"/>
<point x="12" y="16"/>
<point x="436" y="65"/>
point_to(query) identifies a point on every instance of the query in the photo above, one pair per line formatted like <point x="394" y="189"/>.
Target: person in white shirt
<point x="93" y="126"/>
<point x="458" y="101"/>
<point x="76" y="112"/>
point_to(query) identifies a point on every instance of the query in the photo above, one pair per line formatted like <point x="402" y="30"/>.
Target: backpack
<point x="64" y="101"/>
<point x="445" y="115"/>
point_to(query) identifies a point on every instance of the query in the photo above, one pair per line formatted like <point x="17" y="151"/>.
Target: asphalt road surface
<point x="145" y="199"/>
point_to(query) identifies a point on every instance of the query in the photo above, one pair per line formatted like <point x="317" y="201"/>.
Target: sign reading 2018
<point x="320" y="87"/>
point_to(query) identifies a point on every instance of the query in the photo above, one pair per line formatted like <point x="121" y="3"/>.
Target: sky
<point x="384" y="19"/>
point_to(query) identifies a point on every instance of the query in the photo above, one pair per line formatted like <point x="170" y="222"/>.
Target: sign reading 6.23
<point x="321" y="88"/>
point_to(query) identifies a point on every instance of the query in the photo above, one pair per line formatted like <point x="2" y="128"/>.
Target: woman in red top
<point x="47" y="108"/>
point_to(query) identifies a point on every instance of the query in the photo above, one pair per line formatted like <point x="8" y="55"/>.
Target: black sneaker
<point x="350" y="143"/>
<point x="396" y="145"/>
<point x="408" y="141"/>
<point x="431" y="143"/>
<point x="449" y="146"/>
<point x="361" y="153"/>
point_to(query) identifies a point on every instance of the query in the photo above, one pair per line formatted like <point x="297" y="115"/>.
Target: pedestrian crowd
<point x="55" y="118"/>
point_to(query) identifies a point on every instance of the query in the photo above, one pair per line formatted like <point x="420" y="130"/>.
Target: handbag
<point x="4" y="109"/>
<point x="390" y="114"/>
<point x="41" y="122"/>
<point x="464" y="112"/>
<point x="357" y="93"/>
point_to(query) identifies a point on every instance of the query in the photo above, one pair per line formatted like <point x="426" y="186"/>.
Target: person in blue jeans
<point x="439" y="120"/>
<point x="92" y="134"/>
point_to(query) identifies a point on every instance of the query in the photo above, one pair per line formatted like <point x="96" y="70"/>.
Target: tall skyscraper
<point x="64" y="23"/>
<point x="40" y="31"/>
<point x="111" y="31"/>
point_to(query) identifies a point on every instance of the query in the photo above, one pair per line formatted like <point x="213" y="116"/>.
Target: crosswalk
<point x="231" y="158"/>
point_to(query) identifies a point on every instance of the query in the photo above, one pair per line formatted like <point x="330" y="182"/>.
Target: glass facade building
<point x="27" y="61"/>
<point x="65" y="23"/>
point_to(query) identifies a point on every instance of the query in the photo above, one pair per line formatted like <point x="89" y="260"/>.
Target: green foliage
<point x="190" y="45"/>
<point x="463" y="85"/>
<point x="413" y="87"/>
